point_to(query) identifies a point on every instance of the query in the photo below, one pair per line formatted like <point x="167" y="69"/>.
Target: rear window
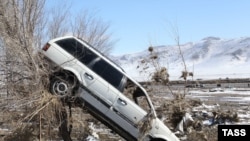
<point x="78" y="50"/>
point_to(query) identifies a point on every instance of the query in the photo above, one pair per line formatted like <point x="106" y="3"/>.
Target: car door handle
<point x="123" y="102"/>
<point x="90" y="77"/>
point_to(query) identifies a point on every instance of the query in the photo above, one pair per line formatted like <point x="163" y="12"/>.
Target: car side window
<point x="78" y="50"/>
<point x="108" y="73"/>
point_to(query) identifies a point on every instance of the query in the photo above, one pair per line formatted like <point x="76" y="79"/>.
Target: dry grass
<point x="173" y="110"/>
<point x="36" y="121"/>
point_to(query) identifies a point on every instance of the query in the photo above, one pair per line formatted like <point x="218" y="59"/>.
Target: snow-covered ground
<point x="233" y="99"/>
<point x="209" y="58"/>
<point x="239" y="96"/>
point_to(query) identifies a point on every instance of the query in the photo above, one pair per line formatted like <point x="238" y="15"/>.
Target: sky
<point x="137" y="24"/>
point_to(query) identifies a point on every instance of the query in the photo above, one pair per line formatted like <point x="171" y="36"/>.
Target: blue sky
<point x="137" y="24"/>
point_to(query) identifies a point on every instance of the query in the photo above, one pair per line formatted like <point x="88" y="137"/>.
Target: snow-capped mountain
<point x="208" y="58"/>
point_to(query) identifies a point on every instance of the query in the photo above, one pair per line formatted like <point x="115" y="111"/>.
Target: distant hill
<point x="208" y="58"/>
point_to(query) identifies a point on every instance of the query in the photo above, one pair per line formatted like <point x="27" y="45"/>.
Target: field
<point x="203" y="108"/>
<point x="208" y="106"/>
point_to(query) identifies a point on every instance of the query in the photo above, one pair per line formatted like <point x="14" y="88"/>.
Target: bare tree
<point x="93" y="30"/>
<point x="58" y="20"/>
<point x="20" y="23"/>
<point x="19" y="20"/>
<point x="84" y="25"/>
<point x="22" y="70"/>
<point x="185" y="73"/>
<point x="24" y="28"/>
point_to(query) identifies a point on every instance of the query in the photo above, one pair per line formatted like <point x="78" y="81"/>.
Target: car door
<point x="121" y="104"/>
<point x="97" y="86"/>
<point x="103" y="76"/>
<point x="128" y="109"/>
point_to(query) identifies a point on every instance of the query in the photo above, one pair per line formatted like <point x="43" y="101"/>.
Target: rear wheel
<point x="63" y="85"/>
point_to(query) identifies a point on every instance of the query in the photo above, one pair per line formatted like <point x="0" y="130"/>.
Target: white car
<point x="104" y="89"/>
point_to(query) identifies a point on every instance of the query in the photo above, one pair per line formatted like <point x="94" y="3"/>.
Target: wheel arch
<point x="67" y="71"/>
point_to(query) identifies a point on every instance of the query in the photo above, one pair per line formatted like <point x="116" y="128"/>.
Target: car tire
<point x="63" y="85"/>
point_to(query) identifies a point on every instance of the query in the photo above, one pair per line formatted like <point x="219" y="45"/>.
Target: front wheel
<point x="63" y="85"/>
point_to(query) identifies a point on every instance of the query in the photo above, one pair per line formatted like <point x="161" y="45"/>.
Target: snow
<point x="238" y="100"/>
<point x="210" y="58"/>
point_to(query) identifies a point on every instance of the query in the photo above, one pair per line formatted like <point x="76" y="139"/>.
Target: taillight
<point x="46" y="47"/>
